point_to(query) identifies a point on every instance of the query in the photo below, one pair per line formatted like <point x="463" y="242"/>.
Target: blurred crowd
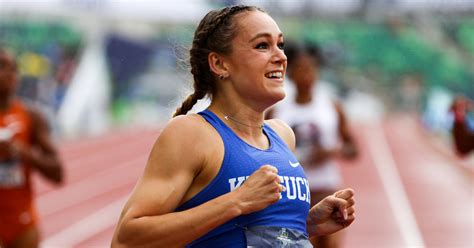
<point x="46" y="55"/>
<point x="409" y="63"/>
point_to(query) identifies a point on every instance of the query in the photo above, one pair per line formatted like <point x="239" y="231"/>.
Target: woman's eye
<point x="281" y="45"/>
<point x="262" y="45"/>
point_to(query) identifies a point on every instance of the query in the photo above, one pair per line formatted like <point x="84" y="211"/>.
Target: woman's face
<point x="257" y="63"/>
<point x="304" y="72"/>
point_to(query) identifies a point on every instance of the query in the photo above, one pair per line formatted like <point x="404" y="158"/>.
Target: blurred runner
<point x="462" y="132"/>
<point x="319" y="124"/>
<point x="25" y="146"/>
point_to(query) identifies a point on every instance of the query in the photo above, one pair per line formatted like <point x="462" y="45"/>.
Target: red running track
<point x="408" y="193"/>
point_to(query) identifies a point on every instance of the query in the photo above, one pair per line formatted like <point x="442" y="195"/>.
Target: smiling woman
<point x="224" y="177"/>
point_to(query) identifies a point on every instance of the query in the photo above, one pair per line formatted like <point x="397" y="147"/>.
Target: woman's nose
<point x="279" y="56"/>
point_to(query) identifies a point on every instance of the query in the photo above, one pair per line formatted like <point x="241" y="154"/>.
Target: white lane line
<point x="387" y="169"/>
<point x="81" y="167"/>
<point x="87" y="227"/>
<point x="136" y="145"/>
<point x="91" y="186"/>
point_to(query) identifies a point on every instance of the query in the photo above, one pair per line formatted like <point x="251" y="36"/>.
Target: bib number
<point x="11" y="174"/>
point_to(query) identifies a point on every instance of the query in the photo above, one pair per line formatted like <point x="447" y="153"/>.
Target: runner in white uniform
<point x="319" y="125"/>
<point x="316" y="126"/>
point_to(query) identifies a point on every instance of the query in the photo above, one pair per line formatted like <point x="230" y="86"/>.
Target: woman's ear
<point x="218" y="65"/>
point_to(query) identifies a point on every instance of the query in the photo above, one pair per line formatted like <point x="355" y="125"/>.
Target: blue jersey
<point x="240" y="161"/>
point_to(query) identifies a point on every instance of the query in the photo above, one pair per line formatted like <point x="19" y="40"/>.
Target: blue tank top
<point x="240" y="161"/>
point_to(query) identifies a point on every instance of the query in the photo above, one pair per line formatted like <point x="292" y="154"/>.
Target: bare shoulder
<point x="283" y="130"/>
<point x="178" y="155"/>
<point x="186" y="138"/>
<point x="185" y="129"/>
<point x="37" y="117"/>
<point x="40" y="127"/>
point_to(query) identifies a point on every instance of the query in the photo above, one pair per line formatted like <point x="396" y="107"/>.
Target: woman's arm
<point x="41" y="154"/>
<point x="462" y="136"/>
<point x="177" y="157"/>
<point x="349" y="148"/>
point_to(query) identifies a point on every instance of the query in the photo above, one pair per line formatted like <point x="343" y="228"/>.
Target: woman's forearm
<point x="179" y="228"/>
<point x="48" y="165"/>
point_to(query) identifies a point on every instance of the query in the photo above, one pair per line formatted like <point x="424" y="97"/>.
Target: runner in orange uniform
<point x="25" y="146"/>
<point x="462" y="133"/>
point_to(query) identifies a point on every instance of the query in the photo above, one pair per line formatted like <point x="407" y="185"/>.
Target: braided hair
<point x="214" y="33"/>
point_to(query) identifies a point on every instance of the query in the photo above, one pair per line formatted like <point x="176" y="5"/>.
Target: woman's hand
<point x="333" y="213"/>
<point x="260" y="190"/>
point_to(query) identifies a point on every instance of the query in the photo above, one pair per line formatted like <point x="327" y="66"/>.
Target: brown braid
<point x="214" y="33"/>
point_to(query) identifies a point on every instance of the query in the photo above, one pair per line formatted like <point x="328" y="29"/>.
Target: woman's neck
<point x="243" y="119"/>
<point x="303" y="98"/>
<point x="5" y="102"/>
<point x="248" y="125"/>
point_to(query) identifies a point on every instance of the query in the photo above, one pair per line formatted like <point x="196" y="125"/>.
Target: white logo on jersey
<point x="13" y="127"/>
<point x="294" y="165"/>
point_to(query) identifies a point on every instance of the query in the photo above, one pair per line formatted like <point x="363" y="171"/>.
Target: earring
<point x="222" y="77"/>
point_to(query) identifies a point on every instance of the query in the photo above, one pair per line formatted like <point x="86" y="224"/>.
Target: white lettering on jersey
<point x="239" y="180"/>
<point x="297" y="188"/>
<point x="290" y="190"/>
<point x="308" y="195"/>
<point x="301" y="196"/>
